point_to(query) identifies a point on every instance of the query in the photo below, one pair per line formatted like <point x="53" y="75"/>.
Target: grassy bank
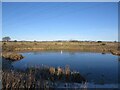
<point x="72" y="46"/>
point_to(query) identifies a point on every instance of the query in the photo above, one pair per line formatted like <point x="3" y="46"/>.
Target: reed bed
<point x="39" y="77"/>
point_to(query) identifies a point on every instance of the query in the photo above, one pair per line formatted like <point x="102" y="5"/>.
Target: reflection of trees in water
<point x="103" y="53"/>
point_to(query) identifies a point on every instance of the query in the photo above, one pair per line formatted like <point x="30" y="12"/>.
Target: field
<point x="103" y="47"/>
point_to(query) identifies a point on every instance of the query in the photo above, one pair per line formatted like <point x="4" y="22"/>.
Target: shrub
<point x="115" y="41"/>
<point x="103" y="44"/>
<point x="15" y="40"/>
<point x="99" y="41"/>
<point x="73" y="41"/>
<point x="4" y="43"/>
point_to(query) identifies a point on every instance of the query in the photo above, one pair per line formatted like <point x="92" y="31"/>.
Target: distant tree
<point x="99" y="41"/>
<point x="15" y="40"/>
<point x="6" y="38"/>
<point x="73" y="41"/>
<point x="115" y="41"/>
<point x="59" y="41"/>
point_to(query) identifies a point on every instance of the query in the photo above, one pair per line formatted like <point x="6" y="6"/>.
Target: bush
<point x="15" y="40"/>
<point x="99" y="41"/>
<point x="103" y="44"/>
<point x="115" y="41"/>
<point x="4" y="43"/>
<point x="73" y="41"/>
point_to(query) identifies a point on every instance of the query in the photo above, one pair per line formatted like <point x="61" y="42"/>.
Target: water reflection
<point x="7" y="64"/>
<point x="95" y="67"/>
<point x="37" y="53"/>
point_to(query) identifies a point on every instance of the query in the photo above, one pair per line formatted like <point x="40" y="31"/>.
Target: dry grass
<point x="37" y="77"/>
<point x="73" y="46"/>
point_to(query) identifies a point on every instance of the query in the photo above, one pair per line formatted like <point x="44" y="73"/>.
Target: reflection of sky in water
<point x="96" y="67"/>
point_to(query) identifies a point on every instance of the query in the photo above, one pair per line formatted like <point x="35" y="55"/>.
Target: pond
<point x="97" y="68"/>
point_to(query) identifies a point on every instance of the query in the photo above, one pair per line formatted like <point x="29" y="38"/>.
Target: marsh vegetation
<point x="40" y="77"/>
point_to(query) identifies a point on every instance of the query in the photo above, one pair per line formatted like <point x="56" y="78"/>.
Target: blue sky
<point x="60" y="21"/>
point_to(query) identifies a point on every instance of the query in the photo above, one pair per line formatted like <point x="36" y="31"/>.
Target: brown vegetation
<point x="12" y="56"/>
<point x="37" y="78"/>
<point x="103" y="47"/>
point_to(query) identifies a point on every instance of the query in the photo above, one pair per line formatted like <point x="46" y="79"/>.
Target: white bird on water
<point x="61" y="51"/>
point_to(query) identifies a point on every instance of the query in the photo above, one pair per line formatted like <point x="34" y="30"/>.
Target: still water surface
<point x="97" y="68"/>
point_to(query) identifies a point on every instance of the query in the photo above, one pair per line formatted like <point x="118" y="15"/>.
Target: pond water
<point x="97" y="68"/>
